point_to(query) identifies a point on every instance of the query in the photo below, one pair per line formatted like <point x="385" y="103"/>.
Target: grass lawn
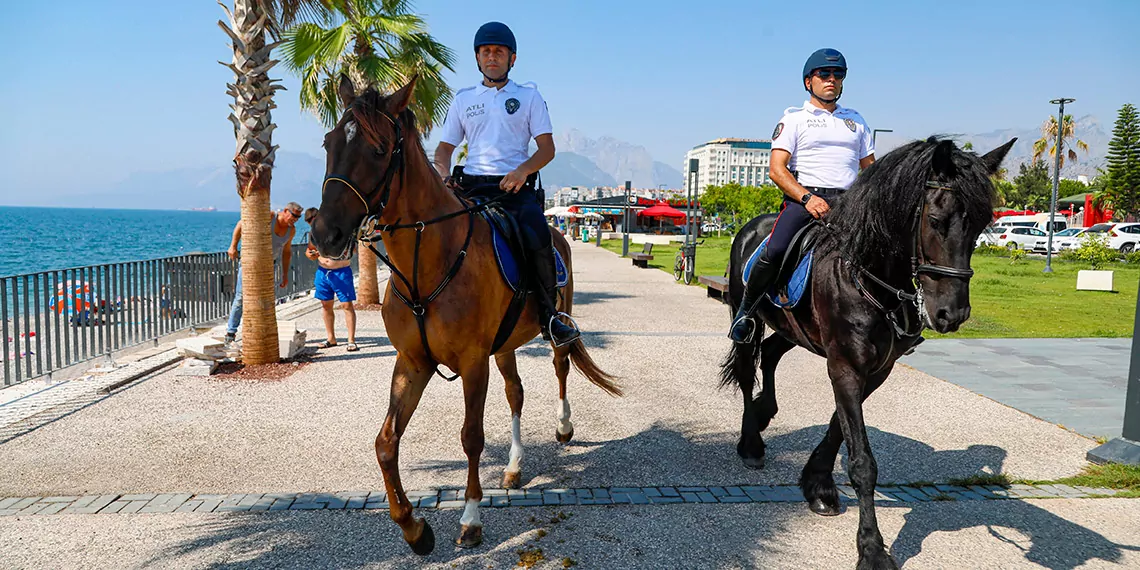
<point x="1009" y="301"/>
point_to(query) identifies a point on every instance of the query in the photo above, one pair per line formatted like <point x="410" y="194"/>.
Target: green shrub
<point x="1016" y="255"/>
<point x="991" y="250"/>
<point x="1132" y="257"/>
<point x="1094" y="251"/>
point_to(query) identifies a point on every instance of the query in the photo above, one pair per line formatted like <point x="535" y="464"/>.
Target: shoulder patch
<point x="779" y="129"/>
<point x="850" y="124"/>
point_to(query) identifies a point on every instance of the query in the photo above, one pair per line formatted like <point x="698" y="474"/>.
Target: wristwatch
<point x="807" y="196"/>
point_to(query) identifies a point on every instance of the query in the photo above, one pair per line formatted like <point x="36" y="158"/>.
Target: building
<point x="720" y="161"/>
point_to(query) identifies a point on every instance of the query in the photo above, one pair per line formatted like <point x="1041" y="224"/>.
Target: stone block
<point x="196" y="367"/>
<point x="201" y="347"/>
<point x="1089" y="280"/>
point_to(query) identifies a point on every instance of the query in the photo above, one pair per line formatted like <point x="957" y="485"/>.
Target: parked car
<point x="1124" y="237"/>
<point x="1020" y="237"/>
<point x="1059" y="238"/>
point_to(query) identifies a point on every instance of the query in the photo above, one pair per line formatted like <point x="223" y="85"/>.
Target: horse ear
<point x="402" y="98"/>
<point x="346" y="91"/>
<point x="993" y="158"/>
<point x="944" y="158"/>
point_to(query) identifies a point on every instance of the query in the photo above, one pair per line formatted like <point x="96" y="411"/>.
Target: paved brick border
<point x="499" y="498"/>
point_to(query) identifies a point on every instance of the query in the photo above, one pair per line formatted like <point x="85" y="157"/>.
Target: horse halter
<point x="917" y="265"/>
<point x="369" y="222"/>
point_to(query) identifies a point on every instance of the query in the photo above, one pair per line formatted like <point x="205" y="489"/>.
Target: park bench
<point x="642" y="259"/>
<point x="717" y="286"/>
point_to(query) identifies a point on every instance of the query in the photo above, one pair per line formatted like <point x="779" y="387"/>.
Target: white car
<point x="1019" y="237"/>
<point x="1124" y="237"/>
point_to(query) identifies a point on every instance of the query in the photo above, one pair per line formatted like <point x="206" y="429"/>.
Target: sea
<point x="43" y="239"/>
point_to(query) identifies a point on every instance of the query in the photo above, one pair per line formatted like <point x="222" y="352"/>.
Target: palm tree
<point x="1049" y="139"/>
<point x="377" y="44"/>
<point x="253" y="91"/>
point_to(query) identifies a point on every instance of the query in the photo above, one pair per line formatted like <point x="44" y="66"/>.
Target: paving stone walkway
<point x="1079" y="383"/>
<point x="502" y="498"/>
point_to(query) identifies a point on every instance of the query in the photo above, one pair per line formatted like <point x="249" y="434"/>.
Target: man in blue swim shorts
<point x="335" y="278"/>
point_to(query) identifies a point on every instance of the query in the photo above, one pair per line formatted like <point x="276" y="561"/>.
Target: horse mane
<point x="875" y="217"/>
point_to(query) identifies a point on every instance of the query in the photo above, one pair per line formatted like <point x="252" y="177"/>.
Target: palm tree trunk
<point x="369" y="284"/>
<point x="252" y="91"/>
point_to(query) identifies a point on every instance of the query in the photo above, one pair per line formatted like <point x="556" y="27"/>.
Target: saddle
<point x="795" y="268"/>
<point x="509" y="252"/>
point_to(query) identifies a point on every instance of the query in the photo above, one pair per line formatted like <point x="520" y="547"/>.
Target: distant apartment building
<point x="720" y="161"/>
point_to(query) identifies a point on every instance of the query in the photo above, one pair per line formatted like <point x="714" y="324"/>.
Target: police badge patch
<point x="779" y="129"/>
<point x="850" y="124"/>
<point x="512" y="105"/>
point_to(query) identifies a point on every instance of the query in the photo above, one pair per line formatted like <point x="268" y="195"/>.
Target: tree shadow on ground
<point x="591" y="297"/>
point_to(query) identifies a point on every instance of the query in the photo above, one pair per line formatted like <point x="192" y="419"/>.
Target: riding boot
<point x="759" y="280"/>
<point x="546" y="293"/>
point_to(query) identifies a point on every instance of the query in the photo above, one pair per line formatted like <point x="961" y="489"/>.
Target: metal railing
<point x="56" y="319"/>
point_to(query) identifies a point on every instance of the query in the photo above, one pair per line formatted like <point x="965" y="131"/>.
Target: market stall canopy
<point x="662" y="210"/>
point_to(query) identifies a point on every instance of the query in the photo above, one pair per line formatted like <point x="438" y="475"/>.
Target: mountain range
<point x="580" y="161"/>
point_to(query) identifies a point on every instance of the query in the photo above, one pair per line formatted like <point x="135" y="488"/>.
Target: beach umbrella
<point x="72" y="296"/>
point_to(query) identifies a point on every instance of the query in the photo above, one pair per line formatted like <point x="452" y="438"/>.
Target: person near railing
<point x="283" y="229"/>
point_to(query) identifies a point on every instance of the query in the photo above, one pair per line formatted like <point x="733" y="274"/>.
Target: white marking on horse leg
<point x="516" y="446"/>
<point x="564" y="425"/>
<point x="470" y="514"/>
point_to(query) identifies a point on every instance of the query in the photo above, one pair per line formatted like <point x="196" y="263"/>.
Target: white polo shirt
<point x="498" y="125"/>
<point x="826" y="147"/>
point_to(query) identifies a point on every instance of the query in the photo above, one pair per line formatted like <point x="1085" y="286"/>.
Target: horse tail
<point x="590" y="369"/>
<point x="740" y="363"/>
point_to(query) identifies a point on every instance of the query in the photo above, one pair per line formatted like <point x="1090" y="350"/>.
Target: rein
<point x="917" y="267"/>
<point x="370" y="230"/>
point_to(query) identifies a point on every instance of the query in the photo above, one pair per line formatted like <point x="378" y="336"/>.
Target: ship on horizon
<point x="206" y="209"/>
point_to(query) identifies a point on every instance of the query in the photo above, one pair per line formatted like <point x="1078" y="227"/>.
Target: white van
<point x="1039" y="221"/>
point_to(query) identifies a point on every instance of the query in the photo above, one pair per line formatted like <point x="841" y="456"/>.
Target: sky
<point x="92" y="91"/>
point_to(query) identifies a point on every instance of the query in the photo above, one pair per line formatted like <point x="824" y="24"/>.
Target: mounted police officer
<point x="817" y="151"/>
<point x="499" y="118"/>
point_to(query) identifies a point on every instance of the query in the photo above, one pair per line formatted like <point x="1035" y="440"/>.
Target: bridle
<point x="918" y="266"/>
<point x="370" y="221"/>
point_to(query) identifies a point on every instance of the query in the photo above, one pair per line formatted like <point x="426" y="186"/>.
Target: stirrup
<point x="751" y="333"/>
<point x="577" y="330"/>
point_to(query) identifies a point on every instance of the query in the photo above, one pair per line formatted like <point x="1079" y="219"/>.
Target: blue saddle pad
<point x="509" y="266"/>
<point x="788" y="296"/>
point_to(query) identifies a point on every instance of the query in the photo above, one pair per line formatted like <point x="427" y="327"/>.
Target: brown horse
<point x="379" y="181"/>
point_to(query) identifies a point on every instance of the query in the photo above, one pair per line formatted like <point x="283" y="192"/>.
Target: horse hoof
<point x="512" y="479"/>
<point x="753" y="462"/>
<point x="819" y="507"/>
<point x="564" y="437"/>
<point x="469" y="536"/>
<point x="426" y="542"/>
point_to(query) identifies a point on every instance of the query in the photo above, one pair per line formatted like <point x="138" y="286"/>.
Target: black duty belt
<point x="825" y="191"/>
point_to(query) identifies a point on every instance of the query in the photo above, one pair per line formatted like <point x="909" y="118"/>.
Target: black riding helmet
<point x="823" y="58"/>
<point x="495" y="34"/>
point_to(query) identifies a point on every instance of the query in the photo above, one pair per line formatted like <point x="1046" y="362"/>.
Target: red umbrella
<point x="662" y="210"/>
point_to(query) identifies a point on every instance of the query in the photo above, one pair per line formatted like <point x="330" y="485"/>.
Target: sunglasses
<point x="296" y="215"/>
<point x="826" y="74"/>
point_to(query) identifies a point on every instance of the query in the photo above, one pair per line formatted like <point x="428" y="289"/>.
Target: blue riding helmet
<point x="822" y="58"/>
<point x="495" y="34"/>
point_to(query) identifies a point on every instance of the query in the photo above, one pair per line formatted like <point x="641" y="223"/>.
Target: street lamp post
<point x="693" y="165"/>
<point x="877" y="131"/>
<point x="1056" y="179"/>
<point x="625" y="224"/>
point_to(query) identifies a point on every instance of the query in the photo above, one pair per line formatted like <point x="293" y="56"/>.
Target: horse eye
<point x="378" y="151"/>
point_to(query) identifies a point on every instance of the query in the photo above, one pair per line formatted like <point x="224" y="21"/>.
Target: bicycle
<point x="684" y="264"/>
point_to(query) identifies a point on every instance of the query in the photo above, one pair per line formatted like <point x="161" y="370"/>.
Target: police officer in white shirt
<point x="499" y="118"/>
<point x="817" y="151"/>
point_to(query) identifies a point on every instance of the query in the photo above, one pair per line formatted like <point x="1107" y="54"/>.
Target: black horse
<point x="892" y="258"/>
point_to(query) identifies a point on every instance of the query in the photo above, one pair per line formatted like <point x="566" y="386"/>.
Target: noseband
<point x="918" y="266"/>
